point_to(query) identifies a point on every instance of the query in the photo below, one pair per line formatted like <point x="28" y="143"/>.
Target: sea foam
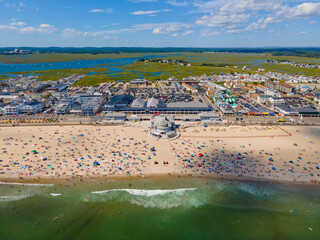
<point x="26" y="184"/>
<point x="13" y="198"/>
<point x="55" y="194"/>
<point x="143" y="192"/>
<point x="158" y="198"/>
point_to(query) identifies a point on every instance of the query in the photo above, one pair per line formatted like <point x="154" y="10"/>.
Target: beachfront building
<point x="118" y="101"/>
<point x="115" y="116"/>
<point x="31" y="108"/>
<point x="209" y="117"/>
<point x="138" y="103"/>
<point x="162" y="127"/>
<point x="155" y="103"/>
<point x="64" y="106"/>
<point x="12" y="109"/>
<point x="187" y="108"/>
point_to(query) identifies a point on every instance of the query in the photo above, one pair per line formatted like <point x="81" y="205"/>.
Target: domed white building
<point x="163" y="127"/>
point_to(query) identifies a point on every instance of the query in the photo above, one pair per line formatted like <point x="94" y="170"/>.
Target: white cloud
<point x="305" y="10"/>
<point x="149" y="12"/>
<point x="108" y="37"/>
<point x="236" y="16"/>
<point x="144" y="12"/>
<point x="108" y="10"/>
<point x="167" y="29"/>
<point x="71" y="32"/>
<point x="222" y="20"/>
<point x="208" y="33"/>
<point x="18" y="27"/>
<point x="260" y="24"/>
<point x="7" y="27"/>
<point x="236" y="5"/>
<point x="312" y="22"/>
<point x="178" y="3"/>
<point x="14" y="22"/>
<point x="28" y="30"/>
<point x="234" y="31"/>
<point x="42" y="29"/>
<point x="187" y="33"/>
<point x="251" y="5"/>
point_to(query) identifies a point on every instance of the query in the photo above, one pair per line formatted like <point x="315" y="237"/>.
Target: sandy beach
<point x="289" y="153"/>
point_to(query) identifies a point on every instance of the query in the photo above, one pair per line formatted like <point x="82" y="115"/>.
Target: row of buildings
<point x="126" y="103"/>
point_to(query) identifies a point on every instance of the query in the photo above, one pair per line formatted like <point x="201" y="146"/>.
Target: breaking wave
<point x="55" y="194"/>
<point x="158" y="198"/>
<point x="26" y="184"/>
<point x="13" y="198"/>
<point x="143" y="192"/>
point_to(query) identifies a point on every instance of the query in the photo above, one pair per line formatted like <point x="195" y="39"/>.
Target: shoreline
<point x="48" y="180"/>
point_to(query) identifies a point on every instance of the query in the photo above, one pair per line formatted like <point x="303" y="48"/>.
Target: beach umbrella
<point x="271" y="159"/>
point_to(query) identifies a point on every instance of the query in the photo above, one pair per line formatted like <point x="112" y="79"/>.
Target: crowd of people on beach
<point x="80" y="151"/>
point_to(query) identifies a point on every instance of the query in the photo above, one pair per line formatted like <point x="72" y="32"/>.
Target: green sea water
<point x="159" y="209"/>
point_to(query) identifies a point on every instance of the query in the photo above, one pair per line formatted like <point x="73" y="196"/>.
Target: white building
<point x="31" y="108"/>
<point x="12" y="109"/>
<point x="162" y="127"/>
<point x="155" y="103"/>
<point x="138" y="103"/>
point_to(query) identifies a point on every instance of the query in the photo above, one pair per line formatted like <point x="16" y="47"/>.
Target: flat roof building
<point x="118" y="101"/>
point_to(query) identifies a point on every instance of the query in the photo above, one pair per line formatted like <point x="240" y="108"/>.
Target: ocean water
<point x="159" y="208"/>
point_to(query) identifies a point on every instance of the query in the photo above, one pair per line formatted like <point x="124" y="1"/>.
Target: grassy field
<point x="156" y="71"/>
<point x="241" y="58"/>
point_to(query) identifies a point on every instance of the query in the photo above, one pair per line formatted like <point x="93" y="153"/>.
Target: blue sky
<point x="160" y="23"/>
